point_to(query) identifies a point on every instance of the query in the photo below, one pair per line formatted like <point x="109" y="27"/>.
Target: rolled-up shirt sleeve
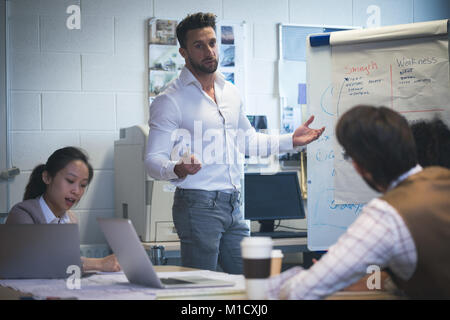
<point x="165" y="119"/>
<point x="369" y="241"/>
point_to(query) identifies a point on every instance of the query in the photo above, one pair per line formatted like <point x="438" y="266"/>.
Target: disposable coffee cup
<point x="256" y="258"/>
<point x="277" y="259"/>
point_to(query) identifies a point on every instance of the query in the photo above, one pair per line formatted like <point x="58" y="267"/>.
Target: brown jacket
<point x="423" y="201"/>
<point x="30" y="212"/>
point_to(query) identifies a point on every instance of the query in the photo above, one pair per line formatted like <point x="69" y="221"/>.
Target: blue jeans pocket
<point x="201" y="203"/>
<point x="187" y="201"/>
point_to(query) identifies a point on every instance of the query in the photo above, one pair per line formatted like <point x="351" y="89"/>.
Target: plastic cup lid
<point x="277" y="253"/>
<point x="257" y="241"/>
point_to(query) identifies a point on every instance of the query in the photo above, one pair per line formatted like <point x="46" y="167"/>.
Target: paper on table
<point x="239" y="286"/>
<point x="95" y="287"/>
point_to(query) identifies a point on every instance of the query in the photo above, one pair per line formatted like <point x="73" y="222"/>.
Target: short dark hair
<point x="56" y="162"/>
<point x="379" y="140"/>
<point x="432" y="142"/>
<point x="194" y="21"/>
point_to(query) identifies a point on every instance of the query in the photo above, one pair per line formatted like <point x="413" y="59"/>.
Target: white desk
<point x="169" y="246"/>
<point x="8" y="293"/>
<point x="283" y="242"/>
<point x="287" y="245"/>
<point x="115" y="285"/>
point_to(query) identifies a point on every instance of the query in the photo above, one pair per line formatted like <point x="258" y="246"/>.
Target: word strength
<point x="366" y="69"/>
<point x="233" y="309"/>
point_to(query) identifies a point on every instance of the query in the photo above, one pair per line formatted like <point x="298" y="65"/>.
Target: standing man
<point x="196" y="141"/>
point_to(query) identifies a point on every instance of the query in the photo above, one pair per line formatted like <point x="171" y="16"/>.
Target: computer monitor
<point x="258" y="122"/>
<point x="270" y="197"/>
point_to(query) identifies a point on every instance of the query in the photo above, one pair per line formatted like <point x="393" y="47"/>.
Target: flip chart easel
<point x="374" y="66"/>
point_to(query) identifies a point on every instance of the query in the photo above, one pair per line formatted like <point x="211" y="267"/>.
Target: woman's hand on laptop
<point x="106" y="264"/>
<point x="109" y="264"/>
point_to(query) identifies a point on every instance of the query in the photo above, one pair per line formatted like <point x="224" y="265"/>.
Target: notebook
<point x="38" y="251"/>
<point x="136" y="264"/>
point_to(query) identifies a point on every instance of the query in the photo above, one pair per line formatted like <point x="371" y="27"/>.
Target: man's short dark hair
<point x="432" y="142"/>
<point x="194" y="21"/>
<point x="379" y="140"/>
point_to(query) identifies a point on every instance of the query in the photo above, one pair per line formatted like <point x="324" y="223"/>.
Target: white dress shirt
<point x="50" y="216"/>
<point x="379" y="237"/>
<point x="184" y="120"/>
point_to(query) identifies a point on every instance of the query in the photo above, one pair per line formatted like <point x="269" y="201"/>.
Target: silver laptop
<point x="136" y="264"/>
<point x="38" y="251"/>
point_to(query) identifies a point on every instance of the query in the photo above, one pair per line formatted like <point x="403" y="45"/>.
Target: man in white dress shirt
<point x="198" y="134"/>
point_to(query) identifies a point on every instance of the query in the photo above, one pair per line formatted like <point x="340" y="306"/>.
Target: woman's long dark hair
<point x="56" y="162"/>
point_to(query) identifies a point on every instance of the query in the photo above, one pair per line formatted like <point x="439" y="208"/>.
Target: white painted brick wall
<point x="40" y="7"/>
<point x="315" y="12"/>
<point x="115" y="8"/>
<point x="25" y="111"/>
<point x="261" y="77"/>
<point x="265" y="41"/>
<point x="100" y="147"/>
<point x="79" y="87"/>
<point x="24" y="33"/>
<point x="131" y="109"/>
<point x="128" y="35"/>
<point x="96" y="34"/>
<point x="392" y="12"/>
<point x="45" y="71"/>
<point x="179" y="9"/>
<point x="114" y="72"/>
<point x="29" y="149"/>
<point x="257" y="11"/>
<point x="78" y="111"/>
<point x="100" y="194"/>
<point x="17" y="187"/>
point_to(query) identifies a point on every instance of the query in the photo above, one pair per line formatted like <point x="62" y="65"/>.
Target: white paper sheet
<point x="411" y="76"/>
<point x="115" y="286"/>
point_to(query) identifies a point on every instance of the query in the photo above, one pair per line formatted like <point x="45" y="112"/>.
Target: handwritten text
<point x="366" y="69"/>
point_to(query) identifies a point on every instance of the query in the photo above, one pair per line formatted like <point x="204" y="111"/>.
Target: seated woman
<point x="52" y="190"/>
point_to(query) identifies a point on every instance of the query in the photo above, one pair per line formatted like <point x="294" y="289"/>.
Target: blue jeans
<point x="210" y="226"/>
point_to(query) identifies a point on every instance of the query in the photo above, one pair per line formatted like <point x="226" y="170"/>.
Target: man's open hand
<point x="304" y="135"/>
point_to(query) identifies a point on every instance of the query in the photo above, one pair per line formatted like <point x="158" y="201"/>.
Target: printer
<point x="145" y="201"/>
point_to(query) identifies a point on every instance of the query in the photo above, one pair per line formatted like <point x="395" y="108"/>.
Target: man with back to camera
<point x="195" y="142"/>
<point x="406" y="230"/>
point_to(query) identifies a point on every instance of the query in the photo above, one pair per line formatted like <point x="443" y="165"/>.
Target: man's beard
<point x="201" y="68"/>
